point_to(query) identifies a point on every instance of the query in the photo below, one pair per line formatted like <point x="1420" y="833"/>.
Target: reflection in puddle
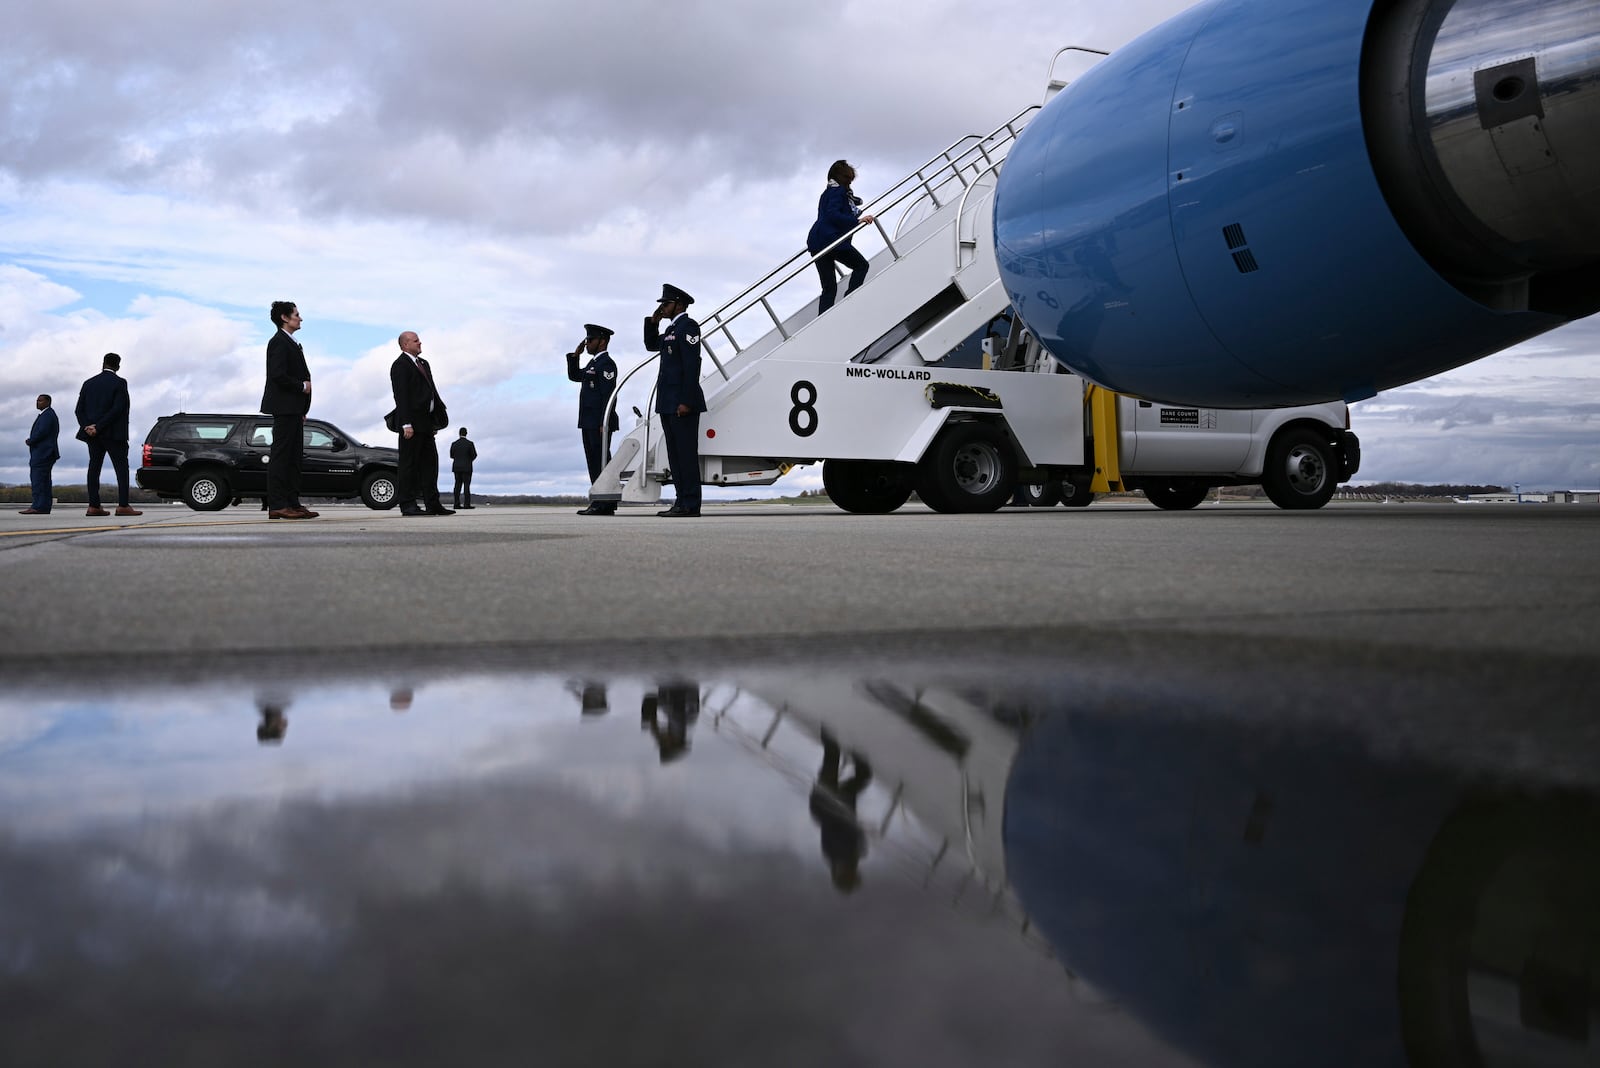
<point x="773" y="865"/>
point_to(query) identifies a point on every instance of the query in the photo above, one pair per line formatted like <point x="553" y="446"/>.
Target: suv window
<point x="315" y="437"/>
<point x="198" y="430"/>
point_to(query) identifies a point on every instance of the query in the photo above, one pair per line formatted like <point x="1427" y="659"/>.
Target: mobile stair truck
<point x="920" y="381"/>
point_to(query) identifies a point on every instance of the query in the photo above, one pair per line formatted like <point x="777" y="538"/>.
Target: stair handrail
<point x="993" y="168"/>
<point x="720" y="321"/>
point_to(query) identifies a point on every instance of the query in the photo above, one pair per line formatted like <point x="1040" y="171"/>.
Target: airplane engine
<point x="1275" y="202"/>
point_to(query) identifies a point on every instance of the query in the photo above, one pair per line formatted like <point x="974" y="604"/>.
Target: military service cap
<point x="674" y="294"/>
<point x="591" y="330"/>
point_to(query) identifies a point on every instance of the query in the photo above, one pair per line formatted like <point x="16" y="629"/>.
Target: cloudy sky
<point x="495" y="175"/>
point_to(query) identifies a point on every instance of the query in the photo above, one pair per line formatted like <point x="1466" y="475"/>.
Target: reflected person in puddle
<point x="591" y="697"/>
<point x="681" y="704"/>
<point x="274" y="724"/>
<point x="833" y="806"/>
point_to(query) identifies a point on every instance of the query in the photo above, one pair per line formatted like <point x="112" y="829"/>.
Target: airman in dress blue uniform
<point x="599" y="381"/>
<point x="679" y="400"/>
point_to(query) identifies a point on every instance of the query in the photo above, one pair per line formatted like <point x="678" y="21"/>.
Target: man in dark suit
<point x="102" y="413"/>
<point x="287" y="398"/>
<point x="679" y="399"/>
<point x="419" y="413"/>
<point x="599" y="379"/>
<point x="42" y="455"/>
<point x="462" y="453"/>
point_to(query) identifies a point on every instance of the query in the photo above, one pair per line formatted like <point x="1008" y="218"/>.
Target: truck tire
<point x="1176" y="494"/>
<point x="867" y="487"/>
<point x="378" y="489"/>
<point x="1042" y="495"/>
<point x="206" y="490"/>
<point x="1301" y="471"/>
<point x="969" y="468"/>
<point x="1075" y="492"/>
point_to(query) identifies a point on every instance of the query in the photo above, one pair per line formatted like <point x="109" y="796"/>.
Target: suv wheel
<point x="207" y="490"/>
<point x="378" y="489"/>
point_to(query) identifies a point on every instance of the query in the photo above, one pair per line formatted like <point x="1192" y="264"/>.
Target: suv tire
<point x="207" y="490"/>
<point x="379" y="489"/>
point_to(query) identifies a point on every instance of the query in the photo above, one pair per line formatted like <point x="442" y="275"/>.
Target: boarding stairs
<point x="939" y="763"/>
<point x="931" y="286"/>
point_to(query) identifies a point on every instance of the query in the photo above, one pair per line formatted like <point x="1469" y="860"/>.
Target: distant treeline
<point x="74" y="493"/>
<point x="1415" y="489"/>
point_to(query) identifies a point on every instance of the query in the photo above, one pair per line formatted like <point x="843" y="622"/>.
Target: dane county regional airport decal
<point x="1204" y="419"/>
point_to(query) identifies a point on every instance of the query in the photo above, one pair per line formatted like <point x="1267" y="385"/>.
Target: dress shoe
<point x="597" y="509"/>
<point x="32" y="511"/>
<point x="412" y="511"/>
<point x="441" y="510"/>
<point x="123" y="509"/>
<point x="305" y="513"/>
<point x="469" y="506"/>
<point x="672" y="514"/>
<point x="95" y="509"/>
<point x="286" y="513"/>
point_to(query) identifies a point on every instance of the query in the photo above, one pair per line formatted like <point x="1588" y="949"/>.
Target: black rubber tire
<point x="968" y="468"/>
<point x="1042" y="495"/>
<point x="380" y="488"/>
<point x="207" y="490"/>
<point x="1175" y="495"/>
<point x="867" y="487"/>
<point x="1075" y="492"/>
<point x="1302" y="470"/>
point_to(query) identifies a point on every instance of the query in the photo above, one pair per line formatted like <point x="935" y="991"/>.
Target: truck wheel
<point x="1075" y="493"/>
<point x="1046" y="495"/>
<point x="206" y="490"/>
<point x="1176" y="494"/>
<point x="1301" y="470"/>
<point x="969" y="468"/>
<point x="867" y="487"/>
<point x="378" y="489"/>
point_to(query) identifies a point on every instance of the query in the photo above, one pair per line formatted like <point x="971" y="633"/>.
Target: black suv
<point x="211" y="461"/>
